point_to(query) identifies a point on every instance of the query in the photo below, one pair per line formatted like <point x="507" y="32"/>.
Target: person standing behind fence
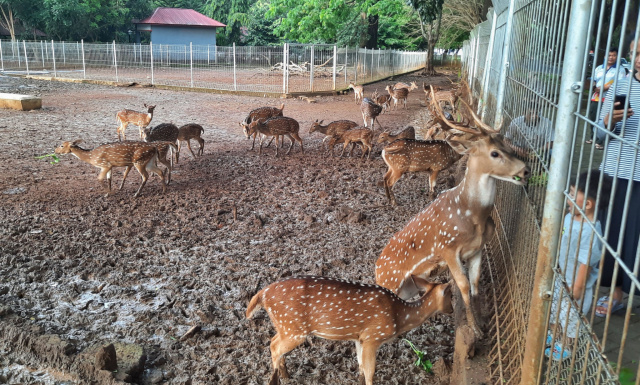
<point x="604" y="77"/>
<point x="578" y="260"/>
<point x="530" y="132"/>
<point x="622" y="160"/>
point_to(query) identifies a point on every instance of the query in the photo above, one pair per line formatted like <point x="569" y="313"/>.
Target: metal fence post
<point x="504" y="65"/>
<point x="287" y="68"/>
<point x="379" y="53"/>
<point x="151" y="59"/>
<point x="311" y="70"/>
<point x="64" y="58"/>
<point x="346" y="62"/>
<point x="335" y="58"/>
<point x="1" y="56"/>
<point x="487" y="66"/>
<point x="26" y="58"/>
<point x="191" y="61"/>
<point x="355" y="62"/>
<point x="115" y="60"/>
<point x="84" y="68"/>
<point x="235" y="84"/>
<point x="208" y="55"/>
<point x="53" y="54"/>
<point x="570" y="92"/>
<point x="373" y="50"/>
<point x="42" y="52"/>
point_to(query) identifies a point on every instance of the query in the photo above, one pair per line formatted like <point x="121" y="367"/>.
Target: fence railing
<point x="530" y="70"/>
<point x="285" y="69"/>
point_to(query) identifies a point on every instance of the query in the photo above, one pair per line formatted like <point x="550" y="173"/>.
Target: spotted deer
<point x="191" y="131"/>
<point x="370" y="111"/>
<point x="140" y="119"/>
<point x="409" y="87"/>
<point x="398" y="94"/>
<point x="164" y="133"/>
<point x="358" y="92"/>
<point x="277" y="126"/>
<point x="143" y="156"/>
<point x="341" y="310"/>
<point x="453" y="228"/>
<point x="361" y="135"/>
<point x="259" y="113"/>
<point x="387" y="137"/>
<point x="381" y="100"/>
<point x="335" y="127"/>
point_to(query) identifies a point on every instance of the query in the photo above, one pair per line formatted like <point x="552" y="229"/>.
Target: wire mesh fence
<point x="285" y="69"/>
<point x="539" y="70"/>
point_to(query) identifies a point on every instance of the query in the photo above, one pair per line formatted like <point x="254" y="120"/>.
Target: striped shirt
<point x="622" y="159"/>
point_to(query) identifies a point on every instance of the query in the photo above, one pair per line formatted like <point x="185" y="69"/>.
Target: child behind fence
<point x="578" y="259"/>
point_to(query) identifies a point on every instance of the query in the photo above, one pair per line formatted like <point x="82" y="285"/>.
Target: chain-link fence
<point x="548" y="73"/>
<point x="285" y="69"/>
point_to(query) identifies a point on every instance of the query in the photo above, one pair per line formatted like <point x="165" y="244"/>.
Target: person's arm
<point x="580" y="281"/>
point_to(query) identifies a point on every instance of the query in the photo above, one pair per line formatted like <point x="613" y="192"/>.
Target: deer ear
<point x="76" y="142"/>
<point x="145" y="104"/>
<point x="422" y="284"/>
<point x="460" y="146"/>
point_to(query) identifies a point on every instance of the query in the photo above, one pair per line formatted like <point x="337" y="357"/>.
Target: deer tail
<point x="254" y="305"/>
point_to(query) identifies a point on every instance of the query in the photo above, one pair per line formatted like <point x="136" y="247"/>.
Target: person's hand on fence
<point x="617" y="115"/>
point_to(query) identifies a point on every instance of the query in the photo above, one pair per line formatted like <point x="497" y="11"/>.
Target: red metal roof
<point x="180" y="16"/>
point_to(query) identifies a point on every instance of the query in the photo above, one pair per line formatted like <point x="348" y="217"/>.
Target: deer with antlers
<point x="144" y="156"/>
<point x="340" y="310"/>
<point x="453" y="228"/>
<point x="140" y="119"/>
<point x="370" y="111"/>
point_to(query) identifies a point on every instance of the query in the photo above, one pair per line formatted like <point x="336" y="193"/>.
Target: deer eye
<point x="494" y="154"/>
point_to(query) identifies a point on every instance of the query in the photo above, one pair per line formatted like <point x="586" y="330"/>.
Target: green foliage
<point x="422" y="361"/>
<point x="54" y="158"/>
<point x="260" y="28"/>
<point x="233" y="13"/>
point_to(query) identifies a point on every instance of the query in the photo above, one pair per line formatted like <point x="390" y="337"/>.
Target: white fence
<point x="284" y="69"/>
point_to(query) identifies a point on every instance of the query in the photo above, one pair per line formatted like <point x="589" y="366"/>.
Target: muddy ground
<point x="79" y="270"/>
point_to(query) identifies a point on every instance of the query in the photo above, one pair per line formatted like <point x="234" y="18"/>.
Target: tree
<point x="430" y="17"/>
<point x="233" y="13"/>
<point x="459" y="17"/>
<point x="7" y="21"/>
<point x="260" y="30"/>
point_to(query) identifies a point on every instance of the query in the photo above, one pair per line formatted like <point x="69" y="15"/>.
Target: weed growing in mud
<point x="54" y="158"/>
<point x="422" y="361"/>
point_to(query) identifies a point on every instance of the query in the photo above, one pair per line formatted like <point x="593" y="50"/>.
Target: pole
<point x="26" y="58"/>
<point x="505" y="66"/>
<point x="372" y="51"/>
<point x="53" y="54"/>
<point x="487" y="67"/>
<point x="346" y="62"/>
<point x="42" y="52"/>
<point x="379" y="52"/>
<point x="287" y="69"/>
<point x="235" y="84"/>
<point x="1" y="56"/>
<point x="356" y="66"/>
<point x="115" y="60"/>
<point x="64" y="57"/>
<point x="570" y="91"/>
<point x="84" y="68"/>
<point x="208" y="60"/>
<point x="335" y="59"/>
<point x="284" y="68"/>
<point x="191" y="60"/>
<point x="151" y="58"/>
<point x="311" y="73"/>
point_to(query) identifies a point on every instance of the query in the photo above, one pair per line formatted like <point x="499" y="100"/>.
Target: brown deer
<point x="335" y="127"/>
<point x="370" y="111"/>
<point x="387" y="137"/>
<point x="165" y="133"/>
<point x="361" y="135"/>
<point x="336" y="309"/>
<point x="409" y="87"/>
<point x="454" y="227"/>
<point x="143" y="156"/>
<point x="277" y="126"/>
<point x="398" y="94"/>
<point x="260" y="113"/>
<point x="191" y="131"/>
<point x="358" y="92"/>
<point x="381" y="100"/>
<point x="140" y="119"/>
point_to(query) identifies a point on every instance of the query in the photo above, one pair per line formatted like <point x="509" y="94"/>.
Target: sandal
<point x="558" y="352"/>
<point x="603" y="303"/>
<point x="588" y="141"/>
<point x="599" y="147"/>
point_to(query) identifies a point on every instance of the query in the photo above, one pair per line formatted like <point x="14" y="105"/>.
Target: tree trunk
<point x="372" y="30"/>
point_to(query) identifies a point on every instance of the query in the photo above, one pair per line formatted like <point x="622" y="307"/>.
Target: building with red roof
<point x="178" y="26"/>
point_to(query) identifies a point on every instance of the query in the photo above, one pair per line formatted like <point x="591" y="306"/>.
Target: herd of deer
<point x="449" y="232"/>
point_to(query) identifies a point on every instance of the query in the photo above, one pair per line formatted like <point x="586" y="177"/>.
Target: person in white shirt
<point x="530" y="132"/>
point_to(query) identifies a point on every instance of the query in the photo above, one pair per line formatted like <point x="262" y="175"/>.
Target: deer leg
<point x="162" y="158"/>
<point x="124" y="176"/>
<point x="297" y="137"/>
<point x="201" y="150"/>
<point x="145" y="175"/>
<point x="292" y="142"/>
<point x="105" y="173"/>
<point x="153" y="167"/>
<point x="457" y="271"/>
<point x="279" y="347"/>
<point x="368" y="367"/>
<point x="346" y="143"/>
<point x="390" y="178"/>
<point x="190" y="150"/>
<point x="432" y="182"/>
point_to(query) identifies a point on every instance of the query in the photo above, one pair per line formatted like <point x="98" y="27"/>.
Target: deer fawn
<point x="358" y="92"/>
<point x="410" y="155"/>
<point x="336" y="127"/>
<point x="340" y="310"/>
<point x="143" y="156"/>
<point x="188" y="132"/>
<point x="381" y="100"/>
<point x="140" y="119"/>
<point x="263" y="113"/>
<point x="277" y="126"/>
<point x="353" y="136"/>
<point x="162" y="134"/>
<point x="454" y="227"/>
<point x="407" y="133"/>
<point x="370" y="110"/>
<point x="398" y="94"/>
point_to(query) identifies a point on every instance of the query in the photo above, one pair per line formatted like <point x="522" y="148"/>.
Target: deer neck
<point x="82" y="154"/>
<point x="410" y="315"/>
<point x="477" y="190"/>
